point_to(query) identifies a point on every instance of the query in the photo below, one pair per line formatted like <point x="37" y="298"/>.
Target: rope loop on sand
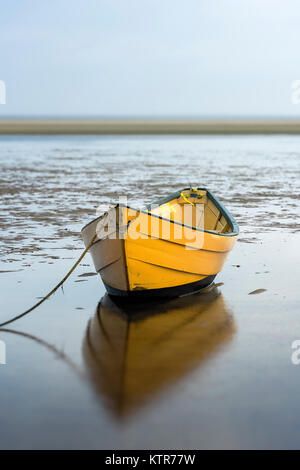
<point x="17" y="317"/>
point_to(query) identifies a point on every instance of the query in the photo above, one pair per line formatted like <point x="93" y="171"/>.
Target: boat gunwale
<point x="229" y="218"/>
<point x="162" y="292"/>
<point x="165" y="240"/>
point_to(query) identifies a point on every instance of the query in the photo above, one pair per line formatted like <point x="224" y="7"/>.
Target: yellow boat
<point x="174" y="246"/>
<point x="135" y="351"/>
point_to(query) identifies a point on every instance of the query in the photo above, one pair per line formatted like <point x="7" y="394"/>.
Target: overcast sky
<point x="149" y="57"/>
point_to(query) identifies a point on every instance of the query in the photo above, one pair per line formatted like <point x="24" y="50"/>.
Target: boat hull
<point x="144" y="256"/>
<point x="164" y="292"/>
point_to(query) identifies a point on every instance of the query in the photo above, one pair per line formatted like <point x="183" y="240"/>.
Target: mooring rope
<point x="60" y="354"/>
<point x="17" y="317"/>
<point x="182" y="195"/>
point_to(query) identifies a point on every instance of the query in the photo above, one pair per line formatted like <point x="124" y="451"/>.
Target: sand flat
<point x="237" y="387"/>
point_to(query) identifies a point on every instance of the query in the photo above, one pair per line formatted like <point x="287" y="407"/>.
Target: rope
<point x="181" y="194"/>
<point x="54" y="289"/>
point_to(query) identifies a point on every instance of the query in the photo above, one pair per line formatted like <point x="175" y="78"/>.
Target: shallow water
<point x="208" y="371"/>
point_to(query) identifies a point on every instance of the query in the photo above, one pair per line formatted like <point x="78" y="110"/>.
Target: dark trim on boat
<point x="231" y="220"/>
<point x="164" y="292"/>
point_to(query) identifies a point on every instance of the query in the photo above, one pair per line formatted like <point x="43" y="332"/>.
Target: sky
<point x="149" y="58"/>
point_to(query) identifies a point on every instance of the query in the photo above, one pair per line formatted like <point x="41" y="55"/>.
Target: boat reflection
<point x="134" y="351"/>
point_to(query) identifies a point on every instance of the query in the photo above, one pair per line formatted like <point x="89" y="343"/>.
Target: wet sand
<point x="211" y="370"/>
<point x="149" y="126"/>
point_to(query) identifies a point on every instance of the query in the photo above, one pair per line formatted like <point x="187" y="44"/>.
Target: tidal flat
<point x="209" y="371"/>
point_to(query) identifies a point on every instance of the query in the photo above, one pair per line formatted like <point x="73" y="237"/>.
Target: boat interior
<point x="193" y="207"/>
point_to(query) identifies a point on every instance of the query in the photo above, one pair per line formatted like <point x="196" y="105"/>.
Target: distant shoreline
<point x="148" y="126"/>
